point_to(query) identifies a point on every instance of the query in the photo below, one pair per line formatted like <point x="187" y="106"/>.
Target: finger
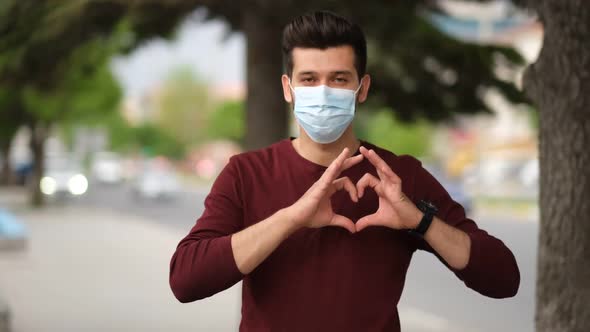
<point x="334" y="169"/>
<point x="349" y="162"/>
<point x="379" y="167"/>
<point x="380" y="164"/>
<point x="345" y="183"/>
<point x="368" y="180"/>
<point x="366" y="221"/>
<point x="382" y="175"/>
<point x="384" y="167"/>
<point x="342" y="221"/>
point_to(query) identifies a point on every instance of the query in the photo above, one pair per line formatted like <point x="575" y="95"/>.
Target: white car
<point x="107" y="168"/>
<point x="156" y="182"/>
<point x="63" y="176"/>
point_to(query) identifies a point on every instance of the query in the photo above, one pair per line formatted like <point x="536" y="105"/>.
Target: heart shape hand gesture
<point x="314" y="208"/>
<point x="395" y="210"/>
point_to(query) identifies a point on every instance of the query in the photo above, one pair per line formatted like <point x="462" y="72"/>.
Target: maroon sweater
<point x="322" y="279"/>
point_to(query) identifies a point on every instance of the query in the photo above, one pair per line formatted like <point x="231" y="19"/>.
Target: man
<point x="267" y="218"/>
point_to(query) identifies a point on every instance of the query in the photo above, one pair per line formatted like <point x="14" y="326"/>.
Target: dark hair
<point x="323" y="29"/>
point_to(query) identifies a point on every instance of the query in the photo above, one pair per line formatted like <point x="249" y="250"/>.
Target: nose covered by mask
<point x="324" y="112"/>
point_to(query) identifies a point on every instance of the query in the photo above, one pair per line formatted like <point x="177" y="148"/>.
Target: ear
<point x="287" y="93"/>
<point x="364" y="91"/>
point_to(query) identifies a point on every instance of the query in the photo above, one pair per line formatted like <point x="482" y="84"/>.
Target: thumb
<point x="366" y="221"/>
<point x="342" y="221"/>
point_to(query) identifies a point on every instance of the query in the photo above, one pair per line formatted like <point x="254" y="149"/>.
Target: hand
<point x="395" y="210"/>
<point x="314" y="208"/>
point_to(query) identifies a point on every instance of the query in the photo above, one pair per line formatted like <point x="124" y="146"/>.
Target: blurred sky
<point x="215" y="55"/>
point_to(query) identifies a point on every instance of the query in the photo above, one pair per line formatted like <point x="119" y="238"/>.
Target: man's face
<point x="333" y="67"/>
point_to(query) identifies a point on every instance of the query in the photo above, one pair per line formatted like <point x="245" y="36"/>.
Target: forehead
<point x="332" y="59"/>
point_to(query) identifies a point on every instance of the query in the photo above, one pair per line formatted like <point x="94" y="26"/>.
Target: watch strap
<point x="429" y="211"/>
<point x="424" y="223"/>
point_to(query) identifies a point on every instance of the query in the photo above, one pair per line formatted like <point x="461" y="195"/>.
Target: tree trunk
<point x="39" y="134"/>
<point x="6" y="176"/>
<point x="559" y="83"/>
<point x="266" y="114"/>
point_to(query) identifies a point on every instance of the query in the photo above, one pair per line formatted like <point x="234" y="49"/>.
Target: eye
<point x="307" y="80"/>
<point x="341" y="80"/>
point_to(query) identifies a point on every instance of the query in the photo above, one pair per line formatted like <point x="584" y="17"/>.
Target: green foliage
<point x="12" y="116"/>
<point x="88" y="87"/>
<point x="227" y="122"/>
<point x="183" y="107"/>
<point x="56" y="84"/>
<point x="43" y="106"/>
<point x="383" y="129"/>
<point x="121" y="135"/>
<point x="85" y="95"/>
<point x="56" y="53"/>
<point x="146" y="138"/>
<point x="154" y="141"/>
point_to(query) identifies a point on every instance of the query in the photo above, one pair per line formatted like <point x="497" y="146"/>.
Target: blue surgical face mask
<point x="324" y="112"/>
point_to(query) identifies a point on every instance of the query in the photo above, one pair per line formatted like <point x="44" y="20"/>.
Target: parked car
<point x="156" y="180"/>
<point x="107" y="168"/>
<point x="63" y="177"/>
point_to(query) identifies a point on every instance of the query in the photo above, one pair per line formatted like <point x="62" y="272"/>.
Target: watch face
<point x="427" y="206"/>
<point x="432" y="207"/>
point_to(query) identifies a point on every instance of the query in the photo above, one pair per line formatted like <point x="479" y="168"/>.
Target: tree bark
<point x="6" y="173"/>
<point x="39" y="133"/>
<point x="559" y="84"/>
<point x="266" y="114"/>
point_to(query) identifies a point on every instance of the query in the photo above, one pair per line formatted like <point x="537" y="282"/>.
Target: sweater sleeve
<point x="492" y="269"/>
<point x="203" y="263"/>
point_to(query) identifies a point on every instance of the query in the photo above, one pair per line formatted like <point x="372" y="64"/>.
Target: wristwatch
<point x="429" y="212"/>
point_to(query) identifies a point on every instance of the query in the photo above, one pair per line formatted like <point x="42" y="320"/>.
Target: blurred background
<point x="117" y="116"/>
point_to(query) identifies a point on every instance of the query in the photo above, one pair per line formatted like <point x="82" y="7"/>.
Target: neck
<point x="324" y="154"/>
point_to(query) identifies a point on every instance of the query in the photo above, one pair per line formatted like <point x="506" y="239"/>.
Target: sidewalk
<point x="92" y="270"/>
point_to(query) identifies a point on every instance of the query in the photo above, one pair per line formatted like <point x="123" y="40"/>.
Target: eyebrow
<point x="309" y="72"/>
<point x="338" y="72"/>
<point x="342" y="72"/>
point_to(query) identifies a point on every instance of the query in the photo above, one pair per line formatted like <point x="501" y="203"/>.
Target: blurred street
<point x="97" y="269"/>
<point x="180" y="211"/>
<point x="100" y="263"/>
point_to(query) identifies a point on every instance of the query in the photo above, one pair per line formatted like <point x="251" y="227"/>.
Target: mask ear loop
<point x="292" y="91"/>
<point x="357" y="89"/>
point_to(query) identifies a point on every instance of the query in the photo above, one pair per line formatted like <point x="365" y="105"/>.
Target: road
<point x="433" y="300"/>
